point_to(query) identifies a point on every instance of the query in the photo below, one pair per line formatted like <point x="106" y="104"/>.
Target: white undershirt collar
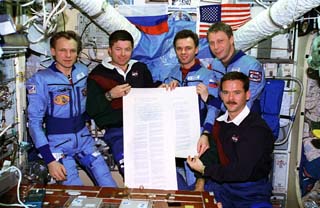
<point x="238" y="119"/>
<point x="107" y="63"/>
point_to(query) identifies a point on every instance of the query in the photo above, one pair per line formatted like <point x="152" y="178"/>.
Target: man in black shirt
<point x="108" y="82"/>
<point x="246" y="144"/>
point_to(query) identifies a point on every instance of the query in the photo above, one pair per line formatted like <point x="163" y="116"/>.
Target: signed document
<point x="159" y="125"/>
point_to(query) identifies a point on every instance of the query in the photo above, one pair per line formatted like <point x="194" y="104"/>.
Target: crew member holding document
<point x="108" y="83"/>
<point x="191" y="73"/>
<point x="247" y="143"/>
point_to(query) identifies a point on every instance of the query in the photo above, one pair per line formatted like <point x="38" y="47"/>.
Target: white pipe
<point x="268" y="22"/>
<point x="280" y="16"/>
<point x="107" y="17"/>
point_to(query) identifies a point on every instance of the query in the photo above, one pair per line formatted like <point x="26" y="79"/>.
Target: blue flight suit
<point x="249" y="66"/>
<point x="59" y="102"/>
<point x="199" y="74"/>
<point x="208" y="113"/>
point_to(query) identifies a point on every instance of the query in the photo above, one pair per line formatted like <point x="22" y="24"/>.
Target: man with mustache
<point x="227" y="58"/>
<point x="247" y="143"/>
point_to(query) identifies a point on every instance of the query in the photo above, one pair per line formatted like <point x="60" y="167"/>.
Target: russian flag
<point x="213" y="83"/>
<point x="150" y="18"/>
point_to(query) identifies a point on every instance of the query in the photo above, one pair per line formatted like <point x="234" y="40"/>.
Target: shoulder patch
<point x="255" y="76"/>
<point x="31" y="89"/>
<point x="213" y="83"/>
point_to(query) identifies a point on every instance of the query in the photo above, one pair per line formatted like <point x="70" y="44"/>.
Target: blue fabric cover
<point x="270" y="103"/>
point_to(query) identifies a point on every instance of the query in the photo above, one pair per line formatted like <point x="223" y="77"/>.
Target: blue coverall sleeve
<point x="211" y="82"/>
<point x="174" y="74"/>
<point x="37" y="99"/>
<point x="257" y="81"/>
<point x="210" y="118"/>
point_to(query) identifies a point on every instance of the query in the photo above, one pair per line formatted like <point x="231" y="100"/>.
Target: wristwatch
<point x="202" y="169"/>
<point x="108" y="96"/>
<point x="206" y="134"/>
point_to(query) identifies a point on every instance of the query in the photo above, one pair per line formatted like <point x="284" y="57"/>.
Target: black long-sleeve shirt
<point x="248" y="147"/>
<point x="102" y="79"/>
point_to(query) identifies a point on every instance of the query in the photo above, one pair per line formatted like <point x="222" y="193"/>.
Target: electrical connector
<point x="35" y="198"/>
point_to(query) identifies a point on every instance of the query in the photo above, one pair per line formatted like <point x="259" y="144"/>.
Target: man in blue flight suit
<point x="227" y="58"/>
<point x="57" y="99"/>
<point x="191" y="73"/>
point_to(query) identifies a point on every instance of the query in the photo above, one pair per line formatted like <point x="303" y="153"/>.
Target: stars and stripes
<point x="234" y="15"/>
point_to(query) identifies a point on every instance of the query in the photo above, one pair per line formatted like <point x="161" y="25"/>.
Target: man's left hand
<point x="202" y="90"/>
<point x="203" y="144"/>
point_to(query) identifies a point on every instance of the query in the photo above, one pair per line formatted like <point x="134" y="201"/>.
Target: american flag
<point x="234" y="15"/>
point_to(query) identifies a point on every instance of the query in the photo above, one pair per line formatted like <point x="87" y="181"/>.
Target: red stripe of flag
<point x="234" y="15"/>
<point x="156" y="29"/>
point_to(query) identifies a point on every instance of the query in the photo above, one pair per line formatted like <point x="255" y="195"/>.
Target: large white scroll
<point x="159" y="125"/>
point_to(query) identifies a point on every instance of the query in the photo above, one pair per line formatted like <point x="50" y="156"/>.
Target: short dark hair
<point x="186" y="34"/>
<point x="120" y="35"/>
<point x="236" y="76"/>
<point x="69" y="34"/>
<point x="220" y="26"/>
